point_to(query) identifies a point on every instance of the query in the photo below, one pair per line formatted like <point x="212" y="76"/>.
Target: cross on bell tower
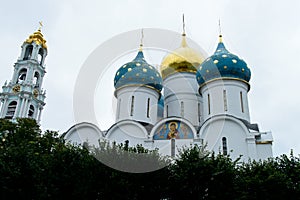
<point x="23" y="96"/>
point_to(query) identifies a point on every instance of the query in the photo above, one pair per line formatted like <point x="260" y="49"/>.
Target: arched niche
<point x="22" y="75"/>
<point x="173" y="128"/>
<point x="28" y="52"/>
<point x="11" y="109"/>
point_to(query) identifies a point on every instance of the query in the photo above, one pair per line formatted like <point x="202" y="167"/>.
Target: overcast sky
<point x="264" y="33"/>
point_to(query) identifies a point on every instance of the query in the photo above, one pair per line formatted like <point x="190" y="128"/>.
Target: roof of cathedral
<point x="138" y="72"/>
<point x="223" y="64"/>
<point x="182" y="59"/>
<point x="38" y="38"/>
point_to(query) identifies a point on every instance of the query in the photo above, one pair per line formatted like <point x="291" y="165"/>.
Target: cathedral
<point x="190" y="100"/>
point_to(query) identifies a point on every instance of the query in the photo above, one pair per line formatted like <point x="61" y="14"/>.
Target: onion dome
<point x="223" y="65"/>
<point x="138" y="73"/>
<point x="38" y="38"/>
<point x="183" y="59"/>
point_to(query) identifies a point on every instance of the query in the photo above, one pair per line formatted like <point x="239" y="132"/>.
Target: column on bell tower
<point x="23" y="96"/>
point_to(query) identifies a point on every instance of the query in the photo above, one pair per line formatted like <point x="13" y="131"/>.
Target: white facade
<point x="137" y="103"/>
<point x="214" y="113"/>
<point x="204" y="102"/>
<point x="225" y="96"/>
<point x="182" y="98"/>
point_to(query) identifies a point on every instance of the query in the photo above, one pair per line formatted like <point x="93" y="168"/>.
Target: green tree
<point x="36" y="165"/>
<point x="42" y="166"/>
<point x="198" y="174"/>
<point x="275" y="178"/>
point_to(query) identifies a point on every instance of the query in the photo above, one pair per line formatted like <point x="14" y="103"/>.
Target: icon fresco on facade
<point x="173" y="130"/>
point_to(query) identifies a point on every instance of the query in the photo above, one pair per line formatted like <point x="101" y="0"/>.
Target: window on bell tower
<point x="28" y="52"/>
<point x="41" y="56"/>
<point x="36" y="79"/>
<point x="31" y="111"/>
<point x="22" y="75"/>
<point x="11" y="109"/>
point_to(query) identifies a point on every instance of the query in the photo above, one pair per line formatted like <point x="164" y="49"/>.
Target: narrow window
<point x="36" y="80"/>
<point x="148" y="107"/>
<point x="31" y="111"/>
<point x="118" y="109"/>
<point x="132" y="106"/>
<point x="40" y="56"/>
<point x="208" y="101"/>
<point x="182" y="108"/>
<point x="22" y="75"/>
<point x="224" y="145"/>
<point x="11" y="110"/>
<point x="225" y="100"/>
<point x="167" y="111"/>
<point x="199" y="112"/>
<point x="242" y="103"/>
<point x="28" y="52"/>
<point x="172" y="147"/>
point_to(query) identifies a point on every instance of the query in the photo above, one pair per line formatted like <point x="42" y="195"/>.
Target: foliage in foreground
<point x="42" y="166"/>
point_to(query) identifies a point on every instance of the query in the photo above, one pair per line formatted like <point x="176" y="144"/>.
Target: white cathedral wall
<point x="239" y="141"/>
<point x="164" y="146"/>
<point x="137" y="111"/>
<point x="182" y="97"/>
<point x="124" y="130"/>
<point x="264" y="151"/>
<point x="84" y="132"/>
<point x="224" y="97"/>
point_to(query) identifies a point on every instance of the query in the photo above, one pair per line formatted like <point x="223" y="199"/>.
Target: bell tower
<point x="23" y="96"/>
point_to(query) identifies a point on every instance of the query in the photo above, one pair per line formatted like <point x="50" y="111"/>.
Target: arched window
<point x="242" y="103"/>
<point x="167" y="111"/>
<point x="132" y="106"/>
<point x="119" y="109"/>
<point x="182" y="109"/>
<point x="225" y="100"/>
<point x="22" y="75"/>
<point x="28" y="52"/>
<point x="224" y="145"/>
<point x="11" y="109"/>
<point x="199" y="112"/>
<point x="36" y="79"/>
<point x="31" y="111"/>
<point x="148" y="107"/>
<point x="208" y="103"/>
<point x="41" y="56"/>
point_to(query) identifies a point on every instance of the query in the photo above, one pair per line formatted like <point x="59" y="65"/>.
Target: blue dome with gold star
<point x="138" y="73"/>
<point x="223" y="64"/>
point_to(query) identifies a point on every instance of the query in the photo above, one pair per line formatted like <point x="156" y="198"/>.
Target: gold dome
<point x="183" y="59"/>
<point x="38" y="38"/>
